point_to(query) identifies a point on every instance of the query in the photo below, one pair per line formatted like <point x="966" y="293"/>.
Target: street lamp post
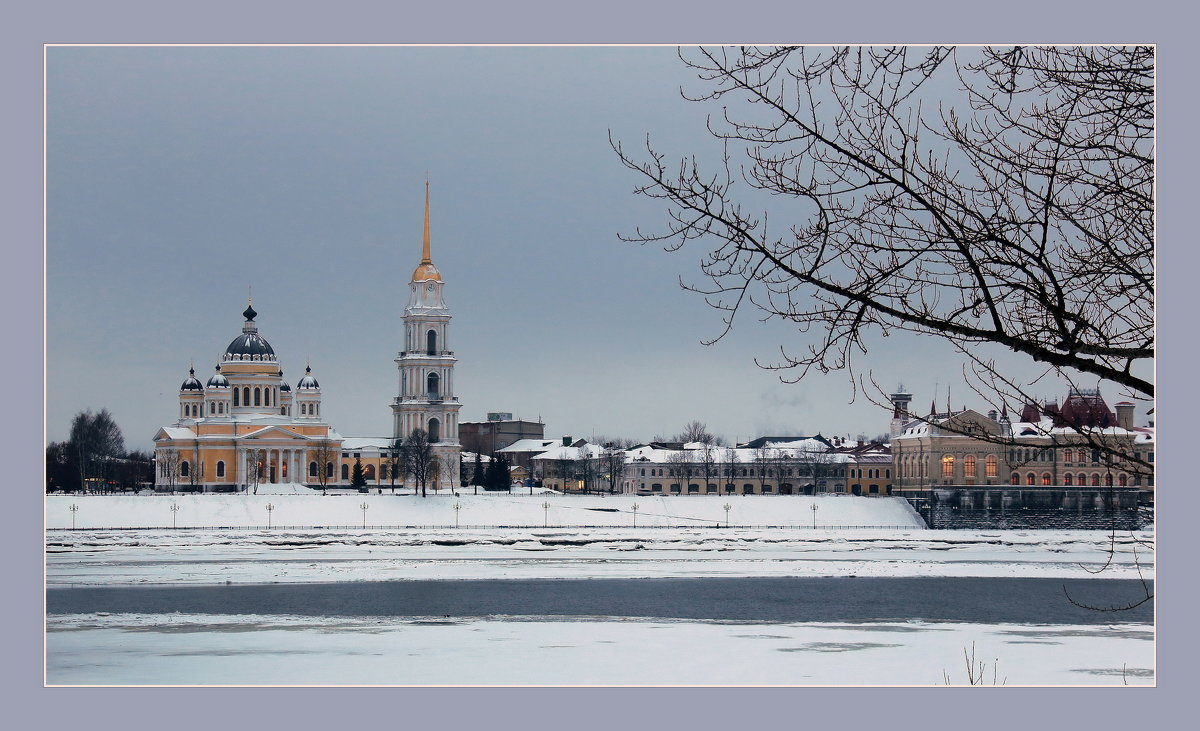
<point x="814" y="509"/>
<point x="174" y="510"/>
<point x="546" y="515"/>
<point x="74" y="509"/>
<point x="635" y="509"/>
<point x="727" y="507"/>
<point x="457" y="507"/>
<point x="270" y="508"/>
<point x="364" y="507"/>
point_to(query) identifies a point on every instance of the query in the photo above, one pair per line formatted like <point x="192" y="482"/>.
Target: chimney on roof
<point x="567" y="441"/>
<point x="1125" y="415"/>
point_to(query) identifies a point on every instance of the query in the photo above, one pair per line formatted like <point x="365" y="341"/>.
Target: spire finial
<point x="425" y="256"/>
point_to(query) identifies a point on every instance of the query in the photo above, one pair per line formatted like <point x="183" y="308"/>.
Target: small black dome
<point x="308" y="381"/>
<point x="249" y="312"/>
<point x="191" y="384"/>
<point x="285" y="388"/>
<point x="217" y="380"/>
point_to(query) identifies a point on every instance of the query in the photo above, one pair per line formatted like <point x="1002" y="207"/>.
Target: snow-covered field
<point x="273" y="649"/>
<point x="308" y="510"/>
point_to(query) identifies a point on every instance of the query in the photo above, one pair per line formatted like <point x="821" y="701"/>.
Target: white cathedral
<point x="232" y="444"/>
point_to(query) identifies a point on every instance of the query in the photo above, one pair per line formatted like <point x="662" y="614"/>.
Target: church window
<point x="435" y="434"/>
<point x="184" y="469"/>
<point x="345" y="472"/>
<point x="245" y="396"/>
<point x="236" y="400"/>
<point x="220" y="469"/>
<point x="431" y="385"/>
<point x="312" y="469"/>
<point x="329" y="469"/>
<point x="257" y="397"/>
<point x="431" y="342"/>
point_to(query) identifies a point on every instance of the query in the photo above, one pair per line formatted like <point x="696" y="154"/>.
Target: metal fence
<point x="360" y="527"/>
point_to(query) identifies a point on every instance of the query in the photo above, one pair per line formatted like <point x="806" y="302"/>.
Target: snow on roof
<point x="591" y="450"/>
<point x="361" y="443"/>
<point x="530" y="445"/>
<point x="179" y="432"/>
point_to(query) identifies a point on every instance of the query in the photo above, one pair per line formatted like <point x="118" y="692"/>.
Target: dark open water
<point x="810" y="599"/>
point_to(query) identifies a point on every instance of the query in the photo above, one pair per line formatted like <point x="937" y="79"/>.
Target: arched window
<point x="236" y="393"/>
<point x="245" y="396"/>
<point x="1016" y="479"/>
<point x="947" y="465"/>
<point x="1069" y="456"/>
<point x="1123" y="480"/>
<point x="1108" y="479"/>
<point x="312" y="469"/>
<point x="431" y="342"/>
<point x="184" y="469"/>
<point x="345" y="472"/>
<point x="1045" y="478"/>
<point x="435" y="431"/>
<point x="1096" y="480"/>
<point x="969" y="465"/>
<point x="329" y="469"/>
<point x="1067" y="479"/>
<point x="431" y="385"/>
<point x="257" y="397"/>
<point x="369" y="471"/>
<point x="1081" y="479"/>
<point x="1030" y="479"/>
<point x="383" y="473"/>
<point x="990" y="465"/>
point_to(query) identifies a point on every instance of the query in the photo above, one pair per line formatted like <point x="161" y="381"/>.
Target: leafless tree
<point x="981" y="196"/>
<point x="680" y="462"/>
<point x="694" y="431"/>
<point x="613" y="466"/>
<point x="729" y="466"/>
<point x="196" y="469"/>
<point x="708" y="461"/>
<point x="168" y="467"/>
<point x="419" y="459"/>
<point x="764" y="458"/>
<point x="254" y="470"/>
<point x="95" y="440"/>
<point x="324" y="452"/>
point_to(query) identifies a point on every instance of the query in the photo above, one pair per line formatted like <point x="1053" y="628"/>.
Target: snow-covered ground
<point x="502" y="509"/>
<point x="273" y="649"/>
<point x="106" y="558"/>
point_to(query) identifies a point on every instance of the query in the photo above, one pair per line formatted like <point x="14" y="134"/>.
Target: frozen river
<point x="618" y="605"/>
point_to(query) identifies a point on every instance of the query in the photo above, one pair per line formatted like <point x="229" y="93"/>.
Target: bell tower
<point x="426" y="397"/>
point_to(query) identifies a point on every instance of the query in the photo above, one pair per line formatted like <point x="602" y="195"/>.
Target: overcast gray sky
<point x="177" y="177"/>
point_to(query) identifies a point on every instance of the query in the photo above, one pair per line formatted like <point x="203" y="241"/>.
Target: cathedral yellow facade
<point x="246" y="426"/>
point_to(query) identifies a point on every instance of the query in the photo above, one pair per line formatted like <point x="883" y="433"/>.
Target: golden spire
<point x="426" y="271"/>
<point x="425" y="251"/>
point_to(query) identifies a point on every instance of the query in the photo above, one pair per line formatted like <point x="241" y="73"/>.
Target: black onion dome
<point x="249" y="313"/>
<point x="217" y="380"/>
<point x="191" y="384"/>
<point x="283" y="386"/>
<point x="250" y="343"/>
<point x="308" y="381"/>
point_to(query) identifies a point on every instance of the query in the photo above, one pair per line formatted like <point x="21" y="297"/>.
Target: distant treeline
<point x="94" y="458"/>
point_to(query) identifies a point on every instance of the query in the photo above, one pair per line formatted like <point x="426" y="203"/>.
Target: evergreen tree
<point x="357" y="478"/>
<point x="477" y="478"/>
